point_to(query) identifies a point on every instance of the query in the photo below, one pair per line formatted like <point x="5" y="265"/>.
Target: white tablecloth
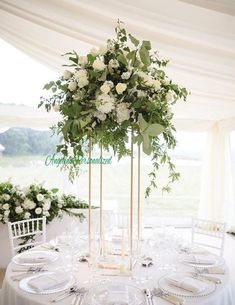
<point x="12" y="295"/>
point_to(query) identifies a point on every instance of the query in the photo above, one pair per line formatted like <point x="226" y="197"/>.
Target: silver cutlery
<point x="20" y="276"/>
<point x="149" y="296"/>
<point x="82" y="293"/>
<point x="158" y="292"/>
<point x="205" y="277"/>
<point x="73" y="290"/>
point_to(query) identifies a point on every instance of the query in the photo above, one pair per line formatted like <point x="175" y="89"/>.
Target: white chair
<point x="32" y="227"/>
<point x="209" y="234"/>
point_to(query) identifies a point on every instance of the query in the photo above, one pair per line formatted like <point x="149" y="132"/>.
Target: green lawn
<point x="182" y="201"/>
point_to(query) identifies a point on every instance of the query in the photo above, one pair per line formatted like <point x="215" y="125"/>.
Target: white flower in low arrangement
<point x="38" y="211"/>
<point x="123" y="113"/>
<point x="83" y="60"/>
<point x="6" y="197"/>
<point x="27" y="215"/>
<point x="47" y="204"/>
<point x="105" y="88"/>
<point x="67" y="75"/>
<point x="46" y="213"/>
<point x="101" y="116"/>
<point x="40" y="197"/>
<point x="113" y="63"/>
<point x="72" y="86"/>
<point x="170" y="96"/>
<point x="98" y="65"/>
<point x="103" y="50"/>
<point x="19" y="210"/>
<point x="141" y="93"/>
<point x="29" y="204"/>
<point x="120" y="88"/>
<point x="156" y="84"/>
<point x="5" y="206"/>
<point x="126" y="75"/>
<point x="105" y="103"/>
<point x="6" y="213"/>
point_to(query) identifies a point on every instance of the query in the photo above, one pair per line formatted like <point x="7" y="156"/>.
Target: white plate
<point x="23" y="284"/>
<point x="218" y="262"/>
<point x="51" y="256"/>
<point x="180" y="292"/>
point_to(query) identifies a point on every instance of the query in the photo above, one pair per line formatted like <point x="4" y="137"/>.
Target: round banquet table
<point x="11" y="294"/>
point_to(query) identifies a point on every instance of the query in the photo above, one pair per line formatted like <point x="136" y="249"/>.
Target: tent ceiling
<point x="199" y="42"/>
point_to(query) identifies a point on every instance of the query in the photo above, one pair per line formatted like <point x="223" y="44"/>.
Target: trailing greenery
<point x="110" y="93"/>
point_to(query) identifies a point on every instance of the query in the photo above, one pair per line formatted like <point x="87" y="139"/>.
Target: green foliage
<point x="113" y="92"/>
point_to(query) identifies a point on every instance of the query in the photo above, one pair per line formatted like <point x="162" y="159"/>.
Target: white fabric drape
<point x="217" y="201"/>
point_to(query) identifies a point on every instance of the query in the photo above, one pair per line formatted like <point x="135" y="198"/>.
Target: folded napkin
<point x="200" y="259"/>
<point x="187" y="283"/>
<point x="213" y="270"/>
<point x="49" y="281"/>
<point x="32" y="258"/>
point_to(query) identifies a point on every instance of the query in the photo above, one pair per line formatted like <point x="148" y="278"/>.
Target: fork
<point x="73" y="290"/>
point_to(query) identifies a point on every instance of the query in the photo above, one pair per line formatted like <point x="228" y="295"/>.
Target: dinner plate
<point x="109" y="293"/>
<point x="50" y="256"/>
<point x="218" y="261"/>
<point x="24" y="284"/>
<point x="180" y="292"/>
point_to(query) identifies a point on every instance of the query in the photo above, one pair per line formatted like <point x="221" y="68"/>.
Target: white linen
<point x="49" y="281"/>
<point x="32" y="258"/>
<point x="187" y="283"/>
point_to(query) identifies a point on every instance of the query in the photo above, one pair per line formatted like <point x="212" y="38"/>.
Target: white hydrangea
<point x="6" y="197"/>
<point x="123" y="112"/>
<point x="83" y="60"/>
<point x="105" y="88"/>
<point x="40" y="197"/>
<point x="38" y="211"/>
<point x="99" y="115"/>
<point x="170" y="96"/>
<point x="106" y="103"/>
<point x="67" y="75"/>
<point x="113" y="63"/>
<point x="120" y="88"/>
<point x="27" y="215"/>
<point x="72" y="86"/>
<point x="126" y="75"/>
<point x="5" y="206"/>
<point x="19" y="210"/>
<point x="98" y="65"/>
<point x="47" y="204"/>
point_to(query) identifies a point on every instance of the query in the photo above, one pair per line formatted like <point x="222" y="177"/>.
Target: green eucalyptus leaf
<point x="121" y="58"/>
<point x="146" y="44"/>
<point x="134" y="40"/>
<point x="144" y="56"/>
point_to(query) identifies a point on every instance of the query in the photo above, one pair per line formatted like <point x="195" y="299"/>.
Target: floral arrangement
<point x="112" y="92"/>
<point x="35" y="201"/>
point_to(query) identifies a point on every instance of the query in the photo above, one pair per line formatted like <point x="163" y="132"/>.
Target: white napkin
<point x="199" y="259"/>
<point x="49" y="281"/>
<point x="187" y="283"/>
<point x="31" y="257"/>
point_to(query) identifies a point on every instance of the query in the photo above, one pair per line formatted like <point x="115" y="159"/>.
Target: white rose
<point x="83" y="60"/>
<point x="113" y="63"/>
<point x="99" y="115"/>
<point x="103" y="50"/>
<point x="156" y="84"/>
<point x="67" y="75"/>
<point x="169" y="96"/>
<point x="56" y="107"/>
<point x="148" y="80"/>
<point x="98" y="65"/>
<point x="94" y="51"/>
<point x="106" y="103"/>
<point x="80" y="74"/>
<point x="19" y="210"/>
<point x="82" y="82"/>
<point x="38" y="211"/>
<point x="105" y="88"/>
<point x="27" y="215"/>
<point x="47" y="204"/>
<point x="123" y="113"/>
<point x="47" y="214"/>
<point x="72" y="86"/>
<point x="6" y="213"/>
<point x="5" y="206"/>
<point x="6" y="197"/>
<point x="120" y="88"/>
<point x="126" y="75"/>
<point x="40" y="197"/>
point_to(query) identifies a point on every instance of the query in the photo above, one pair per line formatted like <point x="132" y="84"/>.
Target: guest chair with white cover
<point x="31" y="227"/>
<point x="209" y="234"/>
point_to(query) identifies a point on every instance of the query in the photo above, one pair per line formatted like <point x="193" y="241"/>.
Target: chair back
<point x="35" y="228"/>
<point x="209" y="234"/>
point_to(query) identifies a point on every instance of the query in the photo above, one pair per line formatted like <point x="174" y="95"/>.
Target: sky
<point x="21" y="77"/>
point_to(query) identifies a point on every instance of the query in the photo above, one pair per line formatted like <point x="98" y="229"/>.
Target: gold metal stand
<point x="101" y="202"/>
<point x="131" y="202"/>
<point x="89" y="196"/>
<point x="138" y="198"/>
